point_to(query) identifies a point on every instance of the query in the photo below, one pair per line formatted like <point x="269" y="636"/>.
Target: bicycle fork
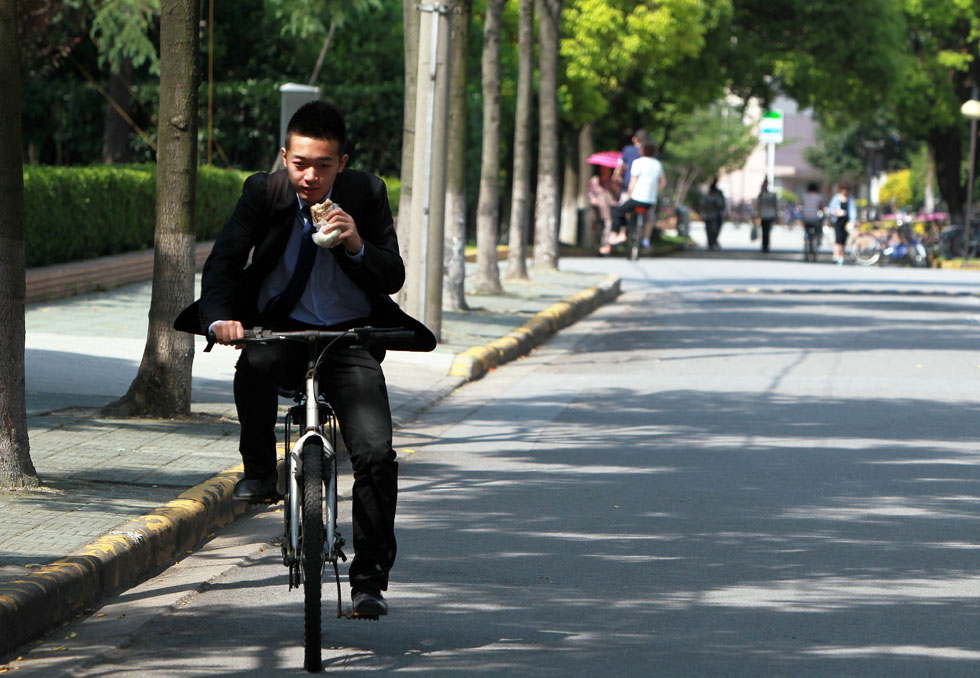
<point x="333" y="544"/>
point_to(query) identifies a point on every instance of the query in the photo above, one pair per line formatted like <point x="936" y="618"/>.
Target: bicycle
<point x="812" y="235"/>
<point x="869" y="249"/>
<point x="311" y="538"/>
<point x="636" y="227"/>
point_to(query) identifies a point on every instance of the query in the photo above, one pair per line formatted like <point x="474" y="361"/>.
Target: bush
<point x="76" y="213"/>
<point x="394" y="185"/>
<point x="897" y="190"/>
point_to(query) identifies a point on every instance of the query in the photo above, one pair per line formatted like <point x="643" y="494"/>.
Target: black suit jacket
<point x="255" y="237"/>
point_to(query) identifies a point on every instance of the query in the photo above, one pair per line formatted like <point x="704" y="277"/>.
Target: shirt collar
<point x="303" y="204"/>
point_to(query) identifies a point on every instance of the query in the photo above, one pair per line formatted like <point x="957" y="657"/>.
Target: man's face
<point x="312" y="165"/>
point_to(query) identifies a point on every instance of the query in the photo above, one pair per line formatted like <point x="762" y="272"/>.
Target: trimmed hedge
<point x="111" y="209"/>
<point x="76" y="213"/>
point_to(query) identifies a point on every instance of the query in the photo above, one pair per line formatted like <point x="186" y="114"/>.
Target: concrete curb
<point x="139" y="548"/>
<point x="127" y="555"/>
<point x="59" y="281"/>
<point x="476" y="361"/>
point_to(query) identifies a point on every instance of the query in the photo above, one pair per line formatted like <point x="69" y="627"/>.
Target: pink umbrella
<point x="605" y="158"/>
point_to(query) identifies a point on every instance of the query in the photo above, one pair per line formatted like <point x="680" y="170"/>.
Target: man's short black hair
<point x="318" y="120"/>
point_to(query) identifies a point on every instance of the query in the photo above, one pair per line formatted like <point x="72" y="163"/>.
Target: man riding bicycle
<point x="265" y="270"/>
<point x="812" y="214"/>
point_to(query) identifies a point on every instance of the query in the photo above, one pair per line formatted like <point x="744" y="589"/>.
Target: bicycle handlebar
<point x="261" y="335"/>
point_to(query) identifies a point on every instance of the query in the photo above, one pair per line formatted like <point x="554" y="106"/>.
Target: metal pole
<point x="969" y="186"/>
<point x="771" y="165"/>
<point x="424" y="293"/>
<point x="210" y="79"/>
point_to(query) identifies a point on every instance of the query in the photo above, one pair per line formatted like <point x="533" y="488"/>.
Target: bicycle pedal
<point x="362" y="617"/>
<point x="264" y="501"/>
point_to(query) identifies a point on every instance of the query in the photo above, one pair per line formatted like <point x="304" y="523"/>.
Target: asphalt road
<point x="743" y="468"/>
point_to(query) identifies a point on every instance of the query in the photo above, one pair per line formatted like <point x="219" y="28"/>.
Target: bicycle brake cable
<point x="326" y="349"/>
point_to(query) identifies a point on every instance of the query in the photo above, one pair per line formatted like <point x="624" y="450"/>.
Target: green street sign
<point x="771" y="127"/>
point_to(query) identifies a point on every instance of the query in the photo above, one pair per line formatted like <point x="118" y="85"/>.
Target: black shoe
<point x="368" y="604"/>
<point x="256" y="490"/>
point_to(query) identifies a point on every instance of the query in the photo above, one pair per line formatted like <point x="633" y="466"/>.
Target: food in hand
<point x="319" y="212"/>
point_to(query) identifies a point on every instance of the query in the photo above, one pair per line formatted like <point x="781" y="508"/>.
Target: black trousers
<point x="628" y="207"/>
<point x="352" y="381"/>
<point x="712" y="226"/>
<point x="766" y="225"/>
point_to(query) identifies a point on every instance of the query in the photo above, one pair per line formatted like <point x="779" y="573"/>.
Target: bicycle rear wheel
<point x="635" y="234"/>
<point x="312" y="550"/>
<point x="809" y="246"/>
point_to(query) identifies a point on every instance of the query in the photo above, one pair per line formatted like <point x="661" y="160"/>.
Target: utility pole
<point x="425" y="266"/>
<point x="970" y="109"/>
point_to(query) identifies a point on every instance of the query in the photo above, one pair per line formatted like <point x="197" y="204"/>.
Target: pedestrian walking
<point x="843" y="212"/>
<point x="767" y="209"/>
<point x="604" y="196"/>
<point x="713" y="211"/>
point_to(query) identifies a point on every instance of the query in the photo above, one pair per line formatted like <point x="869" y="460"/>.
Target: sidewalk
<point x="122" y="498"/>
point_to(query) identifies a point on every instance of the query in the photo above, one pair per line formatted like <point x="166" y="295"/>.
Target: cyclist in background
<point x="812" y="212"/>
<point x="646" y="181"/>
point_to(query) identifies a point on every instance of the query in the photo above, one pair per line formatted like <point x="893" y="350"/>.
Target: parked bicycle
<point x="952" y="243"/>
<point x="308" y="476"/>
<point x="899" y="246"/>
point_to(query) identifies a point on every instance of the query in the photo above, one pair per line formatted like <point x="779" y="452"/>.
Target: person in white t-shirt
<point x="646" y="181"/>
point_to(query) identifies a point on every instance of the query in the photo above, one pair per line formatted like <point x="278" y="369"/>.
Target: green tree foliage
<point x="123" y="30"/>
<point x="711" y="140"/>
<point x="613" y="48"/>
<point x="851" y="150"/>
<point x="942" y="65"/>
<point x="824" y="55"/>
<point x="311" y="19"/>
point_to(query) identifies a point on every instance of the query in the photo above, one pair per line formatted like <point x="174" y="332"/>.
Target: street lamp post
<point x="971" y="109"/>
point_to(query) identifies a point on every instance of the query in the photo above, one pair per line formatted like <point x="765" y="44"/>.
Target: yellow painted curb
<point x="134" y="550"/>
<point x="476" y="361"/>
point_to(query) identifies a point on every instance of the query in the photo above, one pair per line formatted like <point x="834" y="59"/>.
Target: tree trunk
<point x="568" y="223"/>
<point x="454" y="277"/>
<point x="488" y="205"/>
<point x="520" y="195"/>
<point x="930" y="193"/>
<point x="410" y="16"/>
<point x="116" y="131"/>
<point x="16" y="468"/>
<point x="586" y="147"/>
<point x="162" y="387"/>
<point x="945" y="144"/>
<point x="546" y="203"/>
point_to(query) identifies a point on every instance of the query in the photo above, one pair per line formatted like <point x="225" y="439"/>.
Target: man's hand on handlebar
<point x="227" y="331"/>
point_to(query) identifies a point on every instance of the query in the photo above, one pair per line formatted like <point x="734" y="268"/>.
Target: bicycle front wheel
<point x="312" y="549"/>
<point x="920" y="257"/>
<point x="866" y="250"/>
